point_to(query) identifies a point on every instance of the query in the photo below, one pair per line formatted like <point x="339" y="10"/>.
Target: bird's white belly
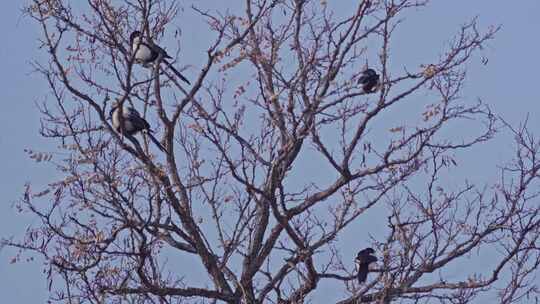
<point x="128" y="125"/>
<point x="142" y="53"/>
<point x="115" y="120"/>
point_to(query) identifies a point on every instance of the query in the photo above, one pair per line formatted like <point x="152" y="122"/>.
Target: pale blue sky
<point x="507" y="83"/>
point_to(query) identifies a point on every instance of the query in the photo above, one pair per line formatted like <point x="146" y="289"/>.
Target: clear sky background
<point x="508" y="83"/>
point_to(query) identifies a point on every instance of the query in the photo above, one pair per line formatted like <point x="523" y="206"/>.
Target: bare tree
<point x="227" y="213"/>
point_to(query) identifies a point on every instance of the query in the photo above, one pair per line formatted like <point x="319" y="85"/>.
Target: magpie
<point x="147" y="53"/>
<point x="369" y="80"/>
<point x="132" y="123"/>
<point x="363" y="259"/>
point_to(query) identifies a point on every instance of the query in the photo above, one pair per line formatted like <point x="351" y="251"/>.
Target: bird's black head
<point x="366" y="251"/>
<point x="134" y="35"/>
<point x="370" y="72"/>
<point x="365" y="257"/>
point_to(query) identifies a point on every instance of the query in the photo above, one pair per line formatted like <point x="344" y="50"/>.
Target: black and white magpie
<point x="132" y="123"/>
<point x="363" y="259"/>
<point x="369" y="80"/>
<point x="147" y="52"/>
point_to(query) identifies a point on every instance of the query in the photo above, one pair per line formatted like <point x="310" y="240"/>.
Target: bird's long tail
<point x="156" y="142"/>
<point x="362" y="273"/>
<point x="184" y="79"/>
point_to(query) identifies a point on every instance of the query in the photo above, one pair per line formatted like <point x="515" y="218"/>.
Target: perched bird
<point x="132" y="123"/>
<point x="147" y="52"/>
<point x="369" y="80"/>
<point x="363" y="259"/>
